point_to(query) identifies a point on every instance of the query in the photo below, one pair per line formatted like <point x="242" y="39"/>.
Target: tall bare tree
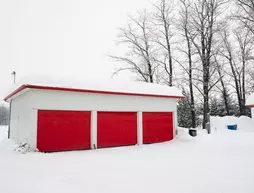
<point x="223" y="89"/>
<point x="227" y="51"/>
<point x="245" y="14"/>
<point x="163" y="21"/>
<point x="183" y="26"/>
<point x="207" y="60"/>
<point x="141" y="54"/>
<point x="245" y="45"/>
<point x="237" y="50"/>
<point x="204" y="24"/>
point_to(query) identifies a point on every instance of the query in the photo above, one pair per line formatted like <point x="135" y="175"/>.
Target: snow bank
<point x="183" y="134"/>
<point x="3" y="132"/>
<point x="243" y="123"/>
<point x="5" y="143"/>
<point x="98" y="84"/>
<point x="8" y="145"/>
<point x="221" y="162"/>
<point x="250" y="100"/>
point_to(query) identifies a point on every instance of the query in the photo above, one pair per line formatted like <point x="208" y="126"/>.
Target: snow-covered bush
<point x="23" y="148"/>
<point x="184" y="114"/>
<point x="218" y="107"/>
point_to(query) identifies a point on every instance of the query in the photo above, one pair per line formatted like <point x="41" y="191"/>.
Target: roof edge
<point x="19" y="89"/>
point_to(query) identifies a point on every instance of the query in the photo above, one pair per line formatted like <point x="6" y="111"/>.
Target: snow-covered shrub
<point x="23" y="148"/>
<point x="184" y="114"/>
<point x="218" y="107"/>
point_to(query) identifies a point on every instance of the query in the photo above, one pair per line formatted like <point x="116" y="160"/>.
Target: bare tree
<point x="236" y="49"/>
<point x="164" y="24"/>
<point x="183" y="26"/>
<point x="227" y="52"/>
<point x="208" y="55"/>
<point x="223" y="89"/>
<point x="245" y="14"/>
<point x="204" y="24"/>
<point x="141" y="55"/>
<point x="244" y="41"/>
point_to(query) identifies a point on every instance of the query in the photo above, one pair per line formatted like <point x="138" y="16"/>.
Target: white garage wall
<point x="60" y="100"/>
<point x="33" y="100"/>
<point x="19" y="121"/>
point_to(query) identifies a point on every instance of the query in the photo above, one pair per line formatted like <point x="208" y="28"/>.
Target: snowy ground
<point x="222" y="162"/>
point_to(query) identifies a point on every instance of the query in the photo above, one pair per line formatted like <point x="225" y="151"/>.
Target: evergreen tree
<point x="218" y="108"/>
<point x="184" y="114"/>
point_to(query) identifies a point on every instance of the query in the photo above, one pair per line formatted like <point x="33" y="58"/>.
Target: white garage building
<point x="62" y="114"/>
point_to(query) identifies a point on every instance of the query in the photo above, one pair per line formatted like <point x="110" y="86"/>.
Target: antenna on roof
<point x="14" y="76"/>
<point x="9" y="127"/>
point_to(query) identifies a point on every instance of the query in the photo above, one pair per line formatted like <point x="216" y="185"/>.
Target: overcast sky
<point x="70" y="37"/>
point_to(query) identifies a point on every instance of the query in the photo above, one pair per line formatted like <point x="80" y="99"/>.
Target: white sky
<point x="70" y="37"/>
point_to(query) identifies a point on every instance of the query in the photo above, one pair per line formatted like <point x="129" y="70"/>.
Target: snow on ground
<point x="243" y="123"/>
<point x="3" y="132"/>
<point x="221" y="162"/>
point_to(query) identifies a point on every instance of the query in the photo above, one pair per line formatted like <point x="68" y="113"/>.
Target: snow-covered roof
<point x="94" y="85"/>
<point x="250" y="100"/>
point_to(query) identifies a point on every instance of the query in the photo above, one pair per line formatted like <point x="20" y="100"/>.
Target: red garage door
<point x="116" y="129"/>
<point x="63" y="130"/>
<point x="157" y="127"/>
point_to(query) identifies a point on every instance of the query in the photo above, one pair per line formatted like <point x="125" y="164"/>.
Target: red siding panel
<point x="116" y="129"/>
<point x="157" y="127"/>
<point x="63" y="130"/>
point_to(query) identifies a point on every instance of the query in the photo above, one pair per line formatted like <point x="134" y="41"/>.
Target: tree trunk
<point x="224" y="89"/>
<point x="192" y="102"/>
<point x="237" y="86"/>
<point x="184" y="27"/>
<point x="206" y="89"/>
<point x="193" y="112"/>
<point x="224" y="93"/>
<point x="206" y="79"/>
<point x="150" y="72"/>
<point x="225" y="97"/>
<point x="169" y="53"/>
<point x="243" y="89"/>
<point x="205" y="111"/>
<point x="166" y="29"/>
<point x="206" y="100"/>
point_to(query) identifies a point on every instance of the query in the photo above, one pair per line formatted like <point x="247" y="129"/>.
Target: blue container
<point x="232" y="127"/>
